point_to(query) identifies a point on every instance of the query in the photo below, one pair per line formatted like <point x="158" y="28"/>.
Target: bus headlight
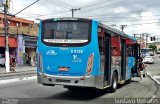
<point x="90" y="64"/>
<point x="40" y="61"/>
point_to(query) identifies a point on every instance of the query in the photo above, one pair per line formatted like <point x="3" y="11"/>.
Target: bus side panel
<point x="95" y="49"/>
<point x="96" y="73"/>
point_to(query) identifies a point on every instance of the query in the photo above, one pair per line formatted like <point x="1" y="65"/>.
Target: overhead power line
<point x="58" y="4"/>
<point x="142" y="23"/>
<point x="25" y="8"/>
<point x="62" y="3"/>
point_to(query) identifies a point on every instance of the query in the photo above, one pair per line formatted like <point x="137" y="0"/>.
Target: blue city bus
<point x="78" y="52"/>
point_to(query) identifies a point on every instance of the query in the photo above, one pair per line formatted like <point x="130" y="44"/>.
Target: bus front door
<point x="137" y="56"/>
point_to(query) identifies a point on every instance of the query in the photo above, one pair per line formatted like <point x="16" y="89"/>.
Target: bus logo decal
<point x="74" y="57"/>
<point x="51" y="52"/>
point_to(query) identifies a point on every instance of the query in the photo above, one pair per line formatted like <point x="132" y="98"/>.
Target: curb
<point x="11" y="74"/>
<point x="16" y="72"/>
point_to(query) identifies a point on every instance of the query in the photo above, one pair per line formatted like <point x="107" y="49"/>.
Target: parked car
<point x="148" y="59"/>
<point x="2" y="60"/>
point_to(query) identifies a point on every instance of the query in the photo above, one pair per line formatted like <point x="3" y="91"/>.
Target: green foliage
<point x="158" y="49"/>
<point x="153" y="46"/>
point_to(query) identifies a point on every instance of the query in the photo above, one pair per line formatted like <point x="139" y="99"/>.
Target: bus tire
<point x="114" y="82"/>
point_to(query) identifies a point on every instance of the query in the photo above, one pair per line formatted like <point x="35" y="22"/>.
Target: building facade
<point x="22" y="39"/>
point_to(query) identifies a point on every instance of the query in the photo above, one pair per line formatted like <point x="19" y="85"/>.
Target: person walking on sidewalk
<point x="141" y="69"/>
<point x="13" y="65"/>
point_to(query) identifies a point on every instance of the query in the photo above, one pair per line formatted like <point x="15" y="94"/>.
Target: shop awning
<point x="11" y="40"/>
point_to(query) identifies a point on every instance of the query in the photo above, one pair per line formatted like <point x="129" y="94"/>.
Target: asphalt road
<point x="154" y="71"/>
<point x="29" y="91"/>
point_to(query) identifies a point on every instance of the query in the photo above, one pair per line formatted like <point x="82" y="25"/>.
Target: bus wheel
<point x="114" y="82"/>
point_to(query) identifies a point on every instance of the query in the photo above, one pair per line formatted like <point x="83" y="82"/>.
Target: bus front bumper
<point x="51" y="80"/>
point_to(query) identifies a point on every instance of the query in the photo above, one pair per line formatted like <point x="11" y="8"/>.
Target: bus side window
<point x="101" y="40"/>
<point x="115" y="42"/>
<point x="129" y="50"/>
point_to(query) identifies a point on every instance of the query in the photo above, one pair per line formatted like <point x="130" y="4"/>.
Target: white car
<point x="148" y="59"/>
<point x="2" y="60"/>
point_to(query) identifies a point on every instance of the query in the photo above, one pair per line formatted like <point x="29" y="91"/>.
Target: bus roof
<point x="117" y="32"/>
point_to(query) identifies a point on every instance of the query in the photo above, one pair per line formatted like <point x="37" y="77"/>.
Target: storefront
<point x="30" y="44"/>
<point x="12" y="41"/>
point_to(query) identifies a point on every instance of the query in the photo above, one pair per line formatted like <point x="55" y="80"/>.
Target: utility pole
<point x="140" y="40"/>
<point x="122" y="27"/>
<point x="74" y="10"/>
<point x="6" y="36"/>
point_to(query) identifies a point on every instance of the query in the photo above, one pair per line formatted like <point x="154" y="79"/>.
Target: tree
<point x="153" y="46"/>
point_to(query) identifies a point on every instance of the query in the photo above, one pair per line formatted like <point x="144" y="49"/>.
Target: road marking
<point x="9" y="81"/>
<point x="16" y="79"/>
<point x="29" y="78"/>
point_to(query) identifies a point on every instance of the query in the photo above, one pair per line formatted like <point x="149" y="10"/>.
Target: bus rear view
<point x="65" y="53"/>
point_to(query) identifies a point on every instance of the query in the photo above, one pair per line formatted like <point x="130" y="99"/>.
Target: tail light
<point x="90" y="63"/>
<point x="40" y="61"/>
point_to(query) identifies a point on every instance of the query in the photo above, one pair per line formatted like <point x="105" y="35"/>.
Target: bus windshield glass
<point x="65" y="32"/>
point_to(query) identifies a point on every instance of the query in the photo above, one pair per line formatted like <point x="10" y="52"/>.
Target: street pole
<point x="147" y="35"/>
<point x="6" y="38"/>
<point x="74" y="10"/>
<point x="140" y="40"/>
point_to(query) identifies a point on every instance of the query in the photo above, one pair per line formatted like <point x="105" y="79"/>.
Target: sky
<point x="140" y="16"/>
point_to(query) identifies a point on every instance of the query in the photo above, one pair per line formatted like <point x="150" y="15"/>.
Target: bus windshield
<point x="65" y="32"/>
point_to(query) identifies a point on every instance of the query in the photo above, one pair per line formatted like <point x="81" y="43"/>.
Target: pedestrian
<point x="34" y="61"/>
<point x="29" y="60"/>
<point x="13" y="65"/>
<point x="141" y="69"/>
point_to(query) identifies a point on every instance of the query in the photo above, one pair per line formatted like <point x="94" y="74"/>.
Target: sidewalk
<point x="18" y="69"/>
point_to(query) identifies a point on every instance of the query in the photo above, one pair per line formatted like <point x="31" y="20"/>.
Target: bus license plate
<point x="63" y="69"/>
